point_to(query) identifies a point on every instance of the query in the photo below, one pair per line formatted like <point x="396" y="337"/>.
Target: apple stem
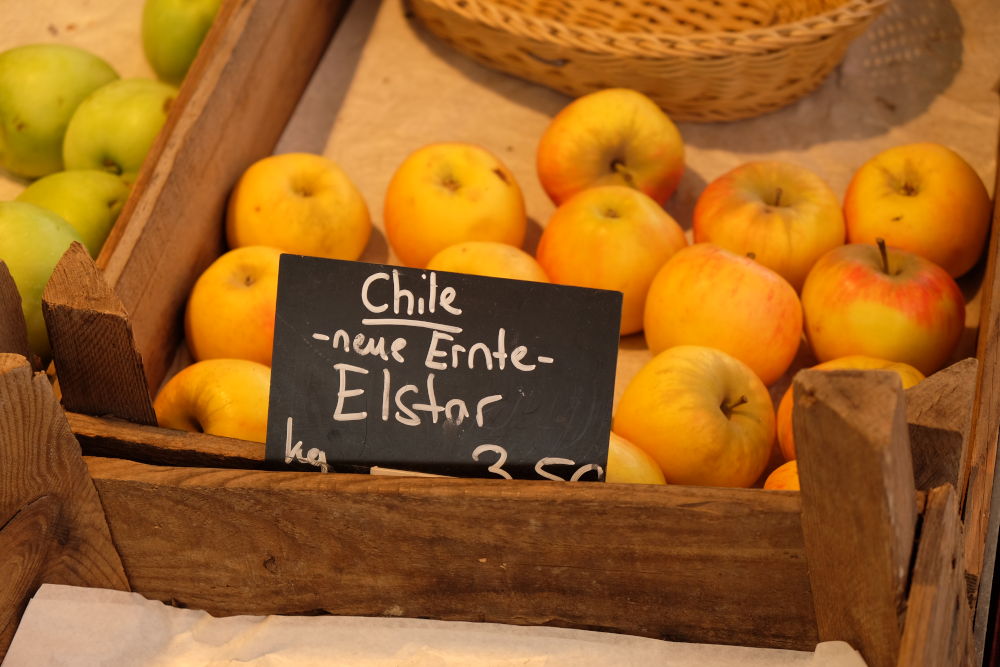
<point x="885" y="254"/>
<point x="727" y="408"/>
<point x="618" y="166"/>
<point x="777" y="197"/>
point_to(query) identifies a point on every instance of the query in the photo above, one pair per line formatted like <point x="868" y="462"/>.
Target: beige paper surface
<point x="926" y="70"/>
<point x="110" y="29"/>
<point x="66" y="625"/>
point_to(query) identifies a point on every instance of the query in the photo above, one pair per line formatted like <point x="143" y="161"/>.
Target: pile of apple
<point x="776" y="261"/>
<point x="79" y="133"/>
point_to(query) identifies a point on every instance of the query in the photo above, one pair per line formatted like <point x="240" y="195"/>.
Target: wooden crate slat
<point x="858" y="505"/>
<point x="939" y="412"/>
<point x="230" y="112"/>
<point x="52" y="526"/>
<point x="980" y="493"/>
<point x="938" y="629"/>
<point x="150" y="444"/>
<point x="100" y="371"/>
<point x="689" y="564"/>
<point x="13" y="331"/>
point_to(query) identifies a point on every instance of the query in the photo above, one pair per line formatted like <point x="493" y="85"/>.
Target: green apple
<point x="40" y="88"/>
<point x="88" y="199"/>
<point x="172" y="33"/>
<point x="32" y="240"/>
<point x="113" y="129"/>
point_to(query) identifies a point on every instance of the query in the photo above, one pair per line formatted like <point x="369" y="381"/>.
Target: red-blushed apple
<point x="909" y="375"/>
<point x="782" y="213"/>
<point x="615" y="136"/>
<point x="703" y="415"/>
<point x="449" y="193"/>
<point x="706" y="295"/>
<point x="784" y="478"/>
<point x="882" y="302"/>
<point x="610" y="237"/>
<point x="923" y="198"/>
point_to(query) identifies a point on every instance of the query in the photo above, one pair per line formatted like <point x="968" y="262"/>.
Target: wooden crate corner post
<point x="52" y="523"/>
<point x="939" y="411"/>
<point x="100" y="369"/>
<point x="938" y="628"/>
<point x="859" y="508"/>
<point x="13" y="329"/>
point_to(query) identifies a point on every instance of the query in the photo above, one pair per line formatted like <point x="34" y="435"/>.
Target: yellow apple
<point x="923" y="198"/>
<point x="885" y="303"/>
<point x="225" y="397"/>
<point x="299" y="203"/>
<point x="705" y="295"/>
<point x="487" y="258"/>
<point x="703" y="415"/>
<point x="786" y="437"/>
<point x="449" y="193"/>
<point x="783" y="214"/>
<point x="627" y="464"/>
<point x="230" y="311"/>
<point x="610" y="237"/>
<point x="615" y="136"/>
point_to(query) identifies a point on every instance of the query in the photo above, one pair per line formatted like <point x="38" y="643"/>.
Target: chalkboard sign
<point x="440" y="372"/>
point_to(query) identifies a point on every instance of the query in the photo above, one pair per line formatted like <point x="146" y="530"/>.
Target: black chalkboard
<point x="371" y="367"/>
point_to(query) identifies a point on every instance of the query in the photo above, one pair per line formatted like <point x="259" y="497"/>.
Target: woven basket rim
<point x="651" y="44"/>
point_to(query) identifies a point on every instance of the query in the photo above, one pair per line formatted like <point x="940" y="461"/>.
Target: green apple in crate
<point x="114" y="128"/>
<point x="32" y="240"/>
<point x="41" y="86"/>
<point x="88" y="199"/>
<point x="172" y="33"/>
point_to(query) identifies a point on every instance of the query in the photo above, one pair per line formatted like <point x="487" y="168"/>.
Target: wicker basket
<point x="701" y="60"/>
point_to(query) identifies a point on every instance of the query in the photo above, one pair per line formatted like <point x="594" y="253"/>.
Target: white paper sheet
<point x="66" y="625"/>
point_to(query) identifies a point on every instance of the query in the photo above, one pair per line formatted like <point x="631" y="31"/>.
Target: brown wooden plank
<point x="25" y="541"/>
<point x="13" y="331"/>
<point x="149" y="444"/>
<point x="939" y="412"/>
<point x="100" y="370"/>
<point x="114" y="438"/>
<point x="858" y="505"/>
<point x="682" y="563"/>
<point x="981" y="497"/>
<point x="231" y="110"/>
<point x="938" y="628"/>
<point x="52" y="526"/>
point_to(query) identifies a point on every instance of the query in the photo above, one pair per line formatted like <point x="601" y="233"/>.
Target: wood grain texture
<point x="25" y="541"/>
<point x="149" y="444"/>
<point x="858" y="505"/>
<point x="13" y="331"/>
<point x="100" y="370"/>
<point x="688" y="564"/>
<point x="230" y="112"/>
<point x="938" y="629"/>
<point x="52" y="526"/>
<point x="939" y="412"/>
<point x="981" y="508"/>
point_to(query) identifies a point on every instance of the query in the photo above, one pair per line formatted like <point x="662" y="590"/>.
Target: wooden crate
<point x="115" y="328"/>
<point x="842" y="560"/>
